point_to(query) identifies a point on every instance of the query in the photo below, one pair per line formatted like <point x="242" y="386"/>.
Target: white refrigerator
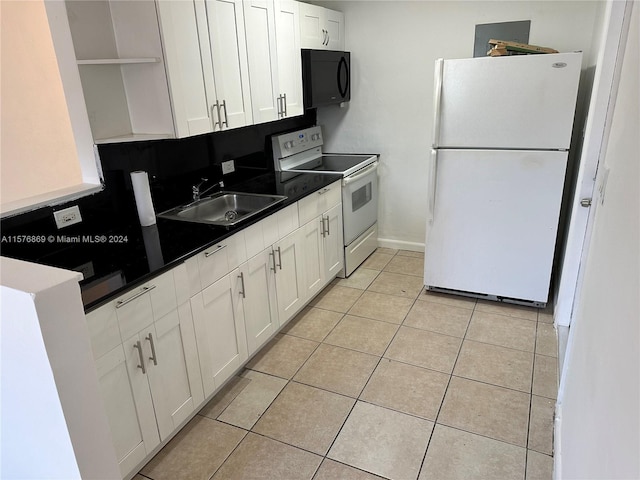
<point x="502" y="129"/>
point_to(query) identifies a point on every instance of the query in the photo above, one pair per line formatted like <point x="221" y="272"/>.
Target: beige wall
<point x="38" y="154"/>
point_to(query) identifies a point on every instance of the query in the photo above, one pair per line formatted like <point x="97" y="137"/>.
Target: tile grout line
<point x="290" y="380"/>
<point x="533" y="371"/>
<point x="435" y="421"/>
<point x="357" y="399"/>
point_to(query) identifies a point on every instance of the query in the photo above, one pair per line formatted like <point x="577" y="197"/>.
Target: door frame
<point x="596" y="135"/>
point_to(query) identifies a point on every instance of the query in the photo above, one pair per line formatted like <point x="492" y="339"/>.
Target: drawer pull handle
<point x="122" y="303"/>
<point x="153" y="357"/>
<point x="139" y="347"/>
<point x="242" y="292"/>
<point x="323" y="191"/>
<point x="208" y="254"/>
<point x="272" y="254"/>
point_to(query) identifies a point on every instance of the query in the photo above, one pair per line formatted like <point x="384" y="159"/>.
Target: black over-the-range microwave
<point x="326" y="77"/>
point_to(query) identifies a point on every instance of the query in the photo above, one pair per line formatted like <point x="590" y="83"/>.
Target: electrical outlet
<point x="68" y="216"/>
<point x="228" y="167"/>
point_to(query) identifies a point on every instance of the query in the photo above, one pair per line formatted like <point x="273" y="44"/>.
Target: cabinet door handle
<point x="122" y="303"/>
<point x="323" y="233"/>
<point x="226" y="118"/>
<point x="139" y="347"/>
<point x="279" y="258"/>
<point x="328" y="226"/>
<point x="272" y="254"/>
<point x="213" y="114"/>
<point x="282" y="109"/>
<point x="242" y="292"/>
<point x="153" y="357"/>
<point x="218" y="248"/>
<point x="284" y="104"/>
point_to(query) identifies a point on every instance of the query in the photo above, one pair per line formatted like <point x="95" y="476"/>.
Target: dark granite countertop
<point x="116" y="253"/>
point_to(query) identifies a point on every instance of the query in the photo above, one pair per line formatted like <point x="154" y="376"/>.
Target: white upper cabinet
<point x="334" y="24"/>
<point x="260" y="24"/>
<point x="230" y="65"/>
<point x="273" y="48"/>
<point x="287" y="13"/>
<point x="153" y="69"/>
<point x="189" y="69"/>
<point x="121" y="65"/>
<point x="321" y="28"/>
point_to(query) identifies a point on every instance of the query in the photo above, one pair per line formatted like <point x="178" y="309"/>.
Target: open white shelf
<point x="118" y="61"/>
<point x="133" y="137"/>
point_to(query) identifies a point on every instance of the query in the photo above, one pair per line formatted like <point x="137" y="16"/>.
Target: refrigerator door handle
<point x="432" y="184"/>
<point x="437" y="101"/>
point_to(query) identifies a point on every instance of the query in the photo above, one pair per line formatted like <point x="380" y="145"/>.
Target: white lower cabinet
<point x="257" y="290"/>
<point x="313" y="257"/>
<point x="323" y="238"/>
<point x="322" y="250"/>
<point x="175" y="391"/>
<point x="128" y="406"/>
<point x="164" y="348"/>
<point x="333" y="242"/>
<point x="150" y="380"/>
<point x="218" y="317"/>
<point x="290" y="275"/>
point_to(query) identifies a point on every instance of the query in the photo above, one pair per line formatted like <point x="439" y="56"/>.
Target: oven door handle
<point x="360" y="173"/>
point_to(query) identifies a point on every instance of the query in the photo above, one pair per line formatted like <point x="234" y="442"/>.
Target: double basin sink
<point x="224" y="208"/>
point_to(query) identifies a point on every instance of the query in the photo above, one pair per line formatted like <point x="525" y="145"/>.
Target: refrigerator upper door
<point x="521" y="101"/>
<point x="495" y="220"/>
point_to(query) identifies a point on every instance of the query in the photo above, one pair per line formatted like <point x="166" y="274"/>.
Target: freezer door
<point x="523" y="101"/>
<point x="495" y="220"/>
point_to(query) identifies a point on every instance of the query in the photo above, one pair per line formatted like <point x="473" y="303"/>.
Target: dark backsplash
<point x="173" y="167"/>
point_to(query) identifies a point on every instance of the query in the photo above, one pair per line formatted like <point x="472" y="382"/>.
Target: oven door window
<point x="360" y="197"/>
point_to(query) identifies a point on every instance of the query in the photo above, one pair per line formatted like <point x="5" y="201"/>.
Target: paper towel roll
<point x="146" y="213"/>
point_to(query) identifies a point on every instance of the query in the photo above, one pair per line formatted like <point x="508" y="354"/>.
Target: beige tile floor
<point x="378" y="379"/>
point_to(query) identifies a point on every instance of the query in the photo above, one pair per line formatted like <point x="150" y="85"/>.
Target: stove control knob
<point x="288" y="145"/>
<point x="315" y="136"/>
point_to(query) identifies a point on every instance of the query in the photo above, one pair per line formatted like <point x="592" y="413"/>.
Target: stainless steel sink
<point x="224" y="208"/>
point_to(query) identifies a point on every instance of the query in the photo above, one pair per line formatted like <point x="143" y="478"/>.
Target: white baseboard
<point x="400" y="244"/>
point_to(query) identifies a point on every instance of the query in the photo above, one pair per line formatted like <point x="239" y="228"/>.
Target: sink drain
<point x="231" y="215"/>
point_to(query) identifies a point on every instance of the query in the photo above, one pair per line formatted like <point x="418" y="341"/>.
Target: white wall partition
<point x="53" y="422"/>
<point x="597" y="413"/>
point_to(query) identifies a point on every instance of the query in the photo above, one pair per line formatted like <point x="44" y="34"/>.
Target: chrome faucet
<point x="197" y="193"/>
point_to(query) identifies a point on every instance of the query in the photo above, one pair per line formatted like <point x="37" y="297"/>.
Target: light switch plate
<point x="67" y="216"/>
<point x="228" y="167"/>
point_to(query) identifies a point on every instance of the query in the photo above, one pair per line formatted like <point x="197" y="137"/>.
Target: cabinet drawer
<point x="261" y="235"/>
<point x="163" y="295"/>
<point x="134" y="310"/>
<point x="103" y="330"/>
<point x="319" y="202"/>
<point x="219" y="259"/>
<point x="140" y="306"/>
<point x="287" y="220"/>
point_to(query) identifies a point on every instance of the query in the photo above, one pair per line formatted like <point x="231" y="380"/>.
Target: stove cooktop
<point x="345" y="164"/>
